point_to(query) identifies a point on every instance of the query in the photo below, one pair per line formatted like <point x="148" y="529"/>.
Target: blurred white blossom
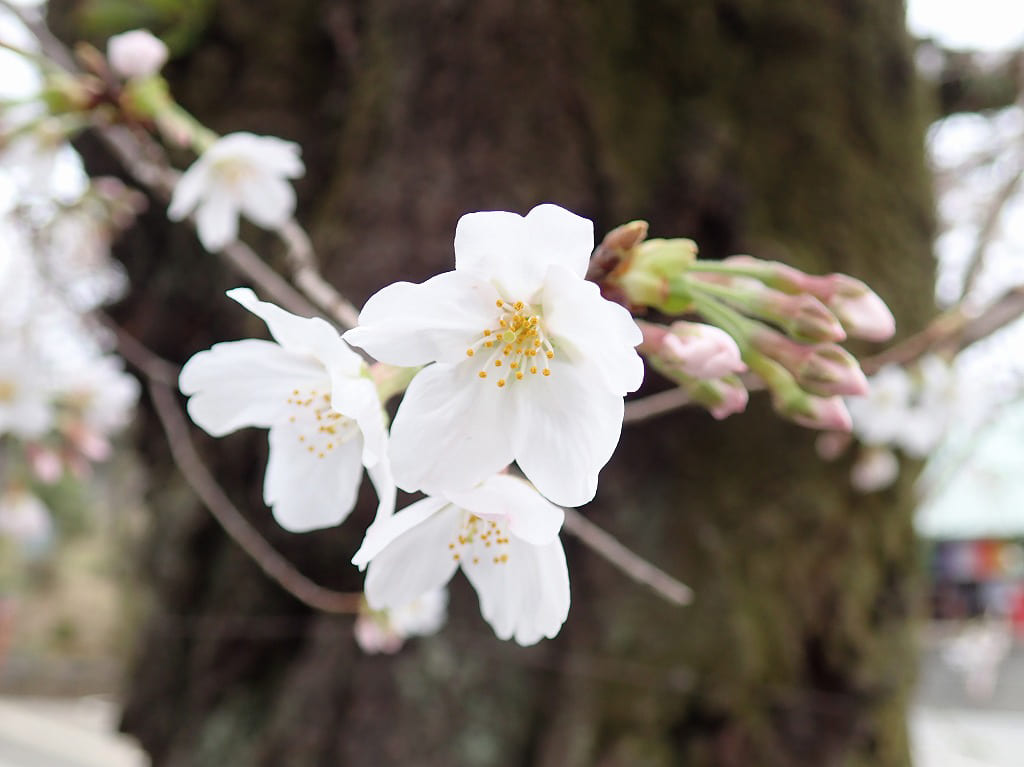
<point x="385" y="631"/>
<point x="239" y="173"/>
<point x="136" y="53"/>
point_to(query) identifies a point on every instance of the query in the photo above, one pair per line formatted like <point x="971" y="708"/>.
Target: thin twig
<point x="952" y="332"/>
<point x="307" y="277"/>
<point x="161" y="376"/>
<point x="645" y="408"/>
<point x="637" y="568"/>
<point x="989" y="228"/>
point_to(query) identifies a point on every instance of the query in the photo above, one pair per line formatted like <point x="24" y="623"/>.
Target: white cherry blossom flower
<point x="240" y="172"/>
<point x="385" y="631"/>
<point x="136" y="53"/>
<point x="26" y="393"/>
<point x="502" y="534"/>
<point x="879" y="417"/>
<point x="25" y="520"/>
<point x="530" y="362"/>
<point x="312" y="392"/>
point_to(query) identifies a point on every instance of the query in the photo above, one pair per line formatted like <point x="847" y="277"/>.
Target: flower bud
<point x="136" y="54"/>
<point x="876" y="469"/>
<point x="721" y="396"/>
<point x="827" y="413"/>
<point x="822" y="369"/>
<point x="805" y="318"/>
<point x="698" y="350"/>
<point x="650" y="274"/>
<point x="861" y="310"/>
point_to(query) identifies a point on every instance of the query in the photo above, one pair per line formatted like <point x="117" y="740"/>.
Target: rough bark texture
<point x="789" y="130"/>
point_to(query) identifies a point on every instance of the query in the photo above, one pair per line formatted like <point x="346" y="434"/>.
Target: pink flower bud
<point x="45" y="463"/>
<point x="704" y="351"/>
<point x="822" y="369"/>
<point x="721" y="396"/>
<point x="733" y="398"/>
<point x="875" y="469"/>
<point x="827" y="413"/>
<point x="693" y="348"/>
<point x="136" y="54"/>
<point x="861" y="310"/>
<point x="807" y="319"/>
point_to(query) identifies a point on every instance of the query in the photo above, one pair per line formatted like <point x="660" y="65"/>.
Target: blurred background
<point x="859" y="602"/>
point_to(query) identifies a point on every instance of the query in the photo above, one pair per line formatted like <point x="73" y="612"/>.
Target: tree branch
<point x="637" y="568"/>
<point x="161" y="379"/>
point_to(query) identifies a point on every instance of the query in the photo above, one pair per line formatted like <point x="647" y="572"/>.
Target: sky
<point x="979" y="24"/>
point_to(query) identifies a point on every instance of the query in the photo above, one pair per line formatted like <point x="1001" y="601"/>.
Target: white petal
<point x="189" y="190"/>
<point x="530" y="516"/>
<point x="526" y="595"/>
<point x="409" y="325"/>
<point x="450" y="432"/>
<point x="304" y="335"/>
<point x="384" y="531"/>
<point x="567" y="429"/>
<point x="267" y="200"/>
<point x="491" y="243"/>
<point x="308" y="490"/>
<point x="514" y="252"/>
<point x="244" y="383"/>
<point x="281" y="157"/>
<point x="217" y="220"/>
<point x="414" y="563"/>
<point x="357" y="398"/>
<point x="597" y="334"/>
<point x="558" y="236"/>
<point x="384" y="484"/>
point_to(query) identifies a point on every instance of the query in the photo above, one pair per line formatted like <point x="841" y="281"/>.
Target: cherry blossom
<point x="314" y="395"/>
<point x="136" y="53"/>
<point x="240" y="172"/>
<point x="504" y="537"/>
<point x="530" y="362"/>
<point x="385" y="631"/>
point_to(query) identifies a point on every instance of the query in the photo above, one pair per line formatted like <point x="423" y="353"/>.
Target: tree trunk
<point x="789" y="130"/>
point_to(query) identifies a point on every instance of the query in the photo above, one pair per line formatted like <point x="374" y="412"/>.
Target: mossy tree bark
<point x="789" y="130"/>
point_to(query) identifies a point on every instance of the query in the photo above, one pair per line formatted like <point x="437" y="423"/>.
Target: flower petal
<point x="308" y="490"/>
<point x="383" y="532"/>
<point x="244" y="383"/>
<point x="514" y="251"/>
<point x="189" y="190"/>
<point x="357" y="398"/>
<point x="525" y="595"/>
<point x="304" y="335"/>
<point x="414" y="563"/>
<point x="267" y="200"/>
<point x="407" y="324"/>
<point x="450" y="432"/>
<point x="596" y="333"/>
<point x="530" y="516"/>
<point x="384" y="484"/>
<point x="567" y="429"/>
<point x="217" y="219"/>
<point x="558" y="236"/>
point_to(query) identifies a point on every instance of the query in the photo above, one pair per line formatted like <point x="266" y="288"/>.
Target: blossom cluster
<point x="520" y="360"/>
<point x="63" y="395"/>
<point x="906" y="409"/>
